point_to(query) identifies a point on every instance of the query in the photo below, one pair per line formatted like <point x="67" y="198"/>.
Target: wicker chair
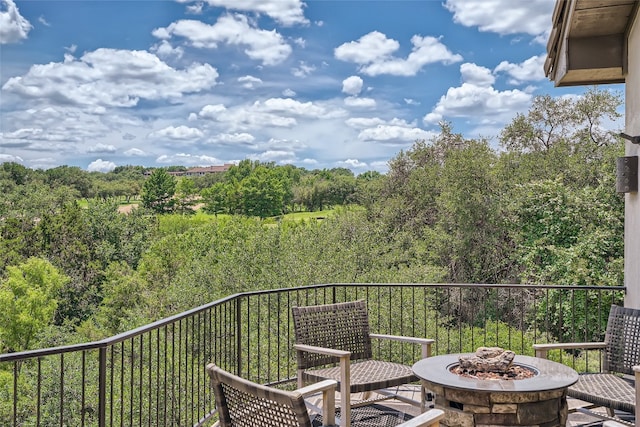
<point x="243" y="403"/>
<point x="333" y="342"/>
<point x="617" y="387"/>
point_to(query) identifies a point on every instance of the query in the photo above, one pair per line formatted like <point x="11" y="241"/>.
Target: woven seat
<point x="616" y="387"/>
<point x="367" y="375"/>
<point x="333" y="341"/>
<point x="242" y="403"/>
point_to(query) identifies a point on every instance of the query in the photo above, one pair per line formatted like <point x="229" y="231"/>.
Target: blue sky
<point x="315" y="83"/>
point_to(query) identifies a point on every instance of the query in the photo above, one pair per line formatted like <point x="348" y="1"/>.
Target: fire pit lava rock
<point x="491" y="363"/>
<point x="495" y="387"/>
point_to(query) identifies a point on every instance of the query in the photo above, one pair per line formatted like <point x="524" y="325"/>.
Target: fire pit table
<point x="540" y="400"/>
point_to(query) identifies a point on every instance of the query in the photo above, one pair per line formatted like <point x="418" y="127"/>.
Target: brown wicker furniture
<point x="333" y="342"/>
<point x="617" y="387"/>
<point x="242" y="403"/>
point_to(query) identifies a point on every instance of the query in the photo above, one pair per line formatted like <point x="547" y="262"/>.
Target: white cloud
<point x="43" y="21"/>
<point x="369" y="48"/>
<point x="474" y="101"/>
<point x="10" y="158"/>
<point x="352" y="85"/>
<point x="195" y="9"/>
<point x="134" y="152"/>
<point x="291" y="106"/>
<point x="380" y="166"/>
<point x="280" y="156"/>
<point x="286" y="12"/>
<point x="354" y="101"/>
<point x="476" y="75"/>
<point x="101" y="166"/>
<point x="363" y="122"/>
<point x="241" y="137"/>
<point x="373" y="53"/>
<point x="353" y="163"/>
<point x="13" y="26"/>
<point x="410" y="101"/>
<point x="394" y="134"/>
<point x="289" y="93"/>
<point x="244" y="117"/>
<point x="164" y="49"/>
<point x="102" y="148"/>
<point x="189" y="160"/>
<point x="249" y="82"/>
<point x="303" y="70"/>
<point x="266" y="46"/>
<point x="503" y="16"/>
<point x="530" y="70"/>
<point x="283" y="144"/>
<point x="109" y="77"/>
<point x="180" y="133"/>
<point x="212" y="111"/>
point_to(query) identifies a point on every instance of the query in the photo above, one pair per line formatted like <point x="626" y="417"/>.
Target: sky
<point x="315" y="83"/>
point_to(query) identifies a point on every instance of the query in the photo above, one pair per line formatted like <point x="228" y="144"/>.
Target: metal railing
<point x="154" y="375"/>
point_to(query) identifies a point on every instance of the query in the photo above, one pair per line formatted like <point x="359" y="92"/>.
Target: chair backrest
<point x="623" y="340"/>
<point x="341" y="326"/>
<point x="242" y="403"/>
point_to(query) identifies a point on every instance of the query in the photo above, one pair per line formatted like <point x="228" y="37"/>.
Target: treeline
<point x="256" y="189"/>
<point x="250" y="188"/>
<point x="540" y="208"/>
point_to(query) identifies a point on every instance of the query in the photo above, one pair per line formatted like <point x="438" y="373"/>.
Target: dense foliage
<point x="540" y="209"/>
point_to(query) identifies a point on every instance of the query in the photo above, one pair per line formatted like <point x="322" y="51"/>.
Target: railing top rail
<point x="29" y="354"/>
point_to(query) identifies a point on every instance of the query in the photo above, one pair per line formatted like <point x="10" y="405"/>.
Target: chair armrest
<point x="328" y="389"/>
<point x="543" y="349"/>
<point x="425" y="343"/>
<point x="322" y="350"/>
<point x="318" y="387"/>
<point x="345" y="374"/>
<point x="427" y="419"/>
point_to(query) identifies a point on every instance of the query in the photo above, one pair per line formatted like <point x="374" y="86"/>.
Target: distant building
<point x="199" y="171"/>
<point x="207" y="170"/>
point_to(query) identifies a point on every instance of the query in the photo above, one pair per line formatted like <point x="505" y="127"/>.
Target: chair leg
<point x="345" y="392"/>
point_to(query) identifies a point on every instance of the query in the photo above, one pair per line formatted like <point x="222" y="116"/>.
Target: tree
<point x="264" y="192"/>
<point x="185" y="196"/>
<point x="594" y="106"/>
<point x="215" y="198"/>
<point x="548" y="121"/>
<point x="158" y="191"/>
<point x="27" y="302"/>
<point x="71" y="176"/>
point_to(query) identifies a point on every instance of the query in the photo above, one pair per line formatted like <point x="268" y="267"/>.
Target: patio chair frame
<point x="617" y="387"/>
<point x="243" y="403"/>
<point x="333" y="341"/>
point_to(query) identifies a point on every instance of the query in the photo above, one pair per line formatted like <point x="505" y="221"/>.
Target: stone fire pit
<point x="539" y="399"/>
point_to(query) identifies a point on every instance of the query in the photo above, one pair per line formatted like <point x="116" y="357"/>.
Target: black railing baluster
<point x="38" y="391"/>
<point x="122" y="350"/>
<point x="62" y="390"/>
<point x="233" y="330"/>
<point x="83" y="388"/>
<point x="111" y="398"/>
<point x="102" y="386"/>
<point x="15" y="393"/>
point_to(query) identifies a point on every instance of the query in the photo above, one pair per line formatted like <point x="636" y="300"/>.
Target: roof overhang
<point x="588" y="41"/>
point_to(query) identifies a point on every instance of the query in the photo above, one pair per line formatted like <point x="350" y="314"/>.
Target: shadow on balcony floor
<point x="392" y="412"/>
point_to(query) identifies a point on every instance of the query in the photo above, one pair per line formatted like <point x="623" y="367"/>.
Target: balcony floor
<point x="413" y="392"/>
